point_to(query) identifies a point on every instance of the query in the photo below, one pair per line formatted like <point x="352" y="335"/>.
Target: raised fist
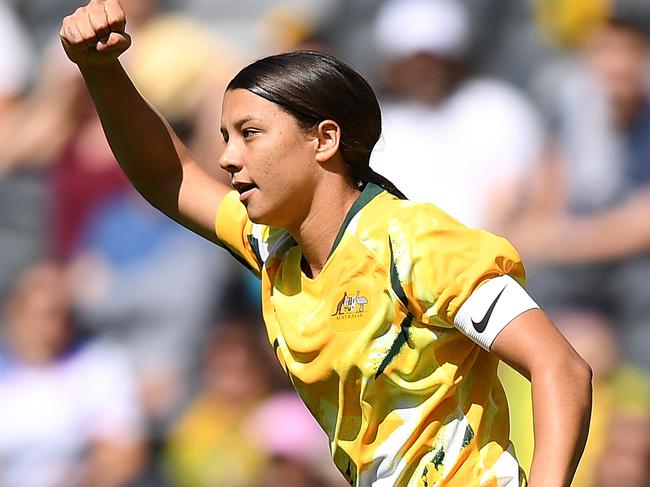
<point x="94" y="35"/>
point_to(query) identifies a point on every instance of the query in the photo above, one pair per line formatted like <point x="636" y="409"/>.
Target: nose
<point x="230" y="159"/>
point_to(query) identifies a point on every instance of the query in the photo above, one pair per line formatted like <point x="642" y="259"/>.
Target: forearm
<point x="153" y="158"/>
<point x="616" y="233"/>
<point x="561" y="387"/>
<point x="39" y="129"/>
<point x="145" y="146"/>
<point x="561" y="411"/>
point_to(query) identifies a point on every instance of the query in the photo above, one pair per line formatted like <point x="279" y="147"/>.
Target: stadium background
<point x="139" y="358"/>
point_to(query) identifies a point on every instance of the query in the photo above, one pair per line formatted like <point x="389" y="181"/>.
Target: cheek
<point x="287" y="163"/>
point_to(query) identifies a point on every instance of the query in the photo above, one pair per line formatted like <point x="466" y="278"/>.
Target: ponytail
<point x="364" y="174"/>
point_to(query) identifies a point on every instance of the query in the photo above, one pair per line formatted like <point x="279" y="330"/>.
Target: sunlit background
<point x="132" y="352"/>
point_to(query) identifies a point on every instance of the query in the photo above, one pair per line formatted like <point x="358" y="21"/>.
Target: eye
<point x="249" y="133"/>
<point x="225" y="136"/>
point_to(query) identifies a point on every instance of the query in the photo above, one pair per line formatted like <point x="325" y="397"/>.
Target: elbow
<point x="579" y="373"/>
<point x="582" y="371"/>
<point x="583" y="389"/>
<point x="568" y="371"/>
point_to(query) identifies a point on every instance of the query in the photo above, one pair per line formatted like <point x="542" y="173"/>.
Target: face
<point x="422" y="77"/>
<point x="618" y="56"/>
<point x="271" y="160"/>
<point x="38" y="315"/>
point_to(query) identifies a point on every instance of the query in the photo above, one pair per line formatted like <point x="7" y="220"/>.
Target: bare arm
<point x="616" y="233"/>
<point x="545" y="231"/>
<point x="42" y="123"/>
<point x="154" y="159"/>
<point x="561" y="387"/>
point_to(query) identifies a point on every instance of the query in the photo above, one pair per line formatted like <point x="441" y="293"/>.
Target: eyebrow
<point x="239" y="123"/>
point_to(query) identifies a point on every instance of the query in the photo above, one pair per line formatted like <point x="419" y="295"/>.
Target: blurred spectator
<point x="152" y="286"/>
<point x="21" y="194"/>
<point x="621" y="398"/>
<point x="142" y="280"/>
<point x="229" y="434"/>
<point x="212" y="443"/>
<point x="297" y="452"/>
<point x="585" y="225"/>
<point x="82" y="178"/>
<point x="503" y="41"/>
<point x="620" y="392"/>
<point x="287" y="27"/>
<point x="625" y="461"/>
<point x="462" y="142"/>
<point x="157" y="286"/>
<point x="507" y="44"/>
<point x="57" y="125"/>
<point x="69" y="414"/>
<point x="347" y="28"/>
<point x="621" y="413"/>
<point x="182" y="70"/>
<point x="245" y="26"/>
<point x="564" y="24"/>
<point x="84" y="174"/>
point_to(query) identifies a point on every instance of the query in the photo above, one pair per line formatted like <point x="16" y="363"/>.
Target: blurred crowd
<point x="132" y="352"/>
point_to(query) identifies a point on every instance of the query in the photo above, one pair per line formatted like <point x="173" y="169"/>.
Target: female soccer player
<point x="388" y="316"/>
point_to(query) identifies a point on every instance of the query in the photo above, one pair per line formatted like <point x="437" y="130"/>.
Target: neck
<point x="319" y="229"/>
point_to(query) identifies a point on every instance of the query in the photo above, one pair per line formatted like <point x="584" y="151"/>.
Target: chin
<point x="272" y="215"/>
<point x="258" y="216"/>
<point x="259" y="221"/>
<point x="265" y="219"/>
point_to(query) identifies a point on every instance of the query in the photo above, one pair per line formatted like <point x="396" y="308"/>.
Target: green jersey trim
<point x="369" y="192"/>
<point x="395" y="283"/>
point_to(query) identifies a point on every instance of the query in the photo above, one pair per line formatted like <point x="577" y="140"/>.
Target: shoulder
<point x="495" y="98"/>
<point x="422" y="233"/>
<point x="388" y="214"/>
<point x="390" y="221"/>
<point x="414" y="219"/>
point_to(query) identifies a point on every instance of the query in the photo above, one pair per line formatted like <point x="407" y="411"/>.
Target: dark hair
<point x="312" y="87"/>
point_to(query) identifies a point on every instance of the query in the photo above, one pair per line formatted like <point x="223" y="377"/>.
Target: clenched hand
<point x="94" y="35"/>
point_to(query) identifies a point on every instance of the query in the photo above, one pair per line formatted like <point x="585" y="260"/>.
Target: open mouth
<point x="242" y="188"/>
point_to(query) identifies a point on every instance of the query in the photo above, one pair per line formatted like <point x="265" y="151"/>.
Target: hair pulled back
<point x="312" y="87"/>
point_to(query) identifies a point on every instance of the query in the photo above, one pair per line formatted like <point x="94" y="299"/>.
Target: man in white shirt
<point x="69" y="413"/>
<point x="461" y="142"/>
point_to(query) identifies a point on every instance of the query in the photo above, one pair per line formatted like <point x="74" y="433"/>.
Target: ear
<point x="328" y="134"/>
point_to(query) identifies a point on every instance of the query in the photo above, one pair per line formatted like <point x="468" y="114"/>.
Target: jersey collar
<point x="369" y="192"/>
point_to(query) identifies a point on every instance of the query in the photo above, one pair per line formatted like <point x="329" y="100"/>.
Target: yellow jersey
<point x="389" y="345"/>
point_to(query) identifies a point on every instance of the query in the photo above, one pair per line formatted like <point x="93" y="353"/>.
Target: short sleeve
<point x="451" y="274"/>
<point x="250" y="243"/>
<point x="235" y="233"/>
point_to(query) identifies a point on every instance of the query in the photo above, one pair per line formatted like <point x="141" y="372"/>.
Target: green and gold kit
<point x="389" y="345"/>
